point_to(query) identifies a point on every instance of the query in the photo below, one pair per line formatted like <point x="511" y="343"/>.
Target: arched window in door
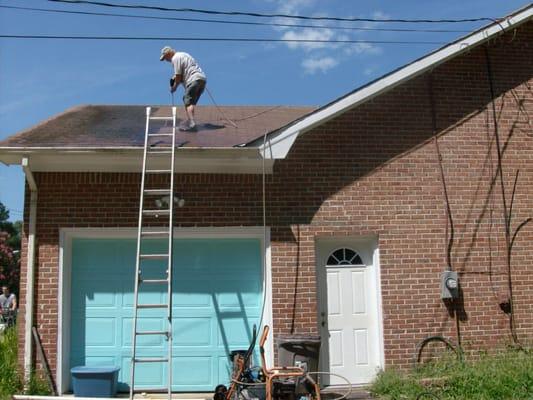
<point x="344" y="256"/>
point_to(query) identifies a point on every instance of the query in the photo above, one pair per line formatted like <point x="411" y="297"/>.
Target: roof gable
<point x="280" y="142"/>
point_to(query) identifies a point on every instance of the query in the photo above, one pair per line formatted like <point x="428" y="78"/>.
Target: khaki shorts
<point x="193" y="92"/>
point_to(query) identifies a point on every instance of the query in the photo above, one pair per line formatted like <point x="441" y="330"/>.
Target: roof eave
<point x="129" y="159"/>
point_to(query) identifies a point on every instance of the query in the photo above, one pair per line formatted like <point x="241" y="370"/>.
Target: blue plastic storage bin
<point x="94" y="381"/>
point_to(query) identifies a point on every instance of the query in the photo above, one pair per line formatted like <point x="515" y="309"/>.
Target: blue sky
<point x="40" y="78"/>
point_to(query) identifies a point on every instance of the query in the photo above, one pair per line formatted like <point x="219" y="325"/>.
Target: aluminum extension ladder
<point x="160" y="155"/>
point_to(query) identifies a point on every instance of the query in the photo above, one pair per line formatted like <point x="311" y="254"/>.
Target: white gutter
<point x="280" y="144"/>
<point x="188" y="160"/>
<point x="30" y="272"/>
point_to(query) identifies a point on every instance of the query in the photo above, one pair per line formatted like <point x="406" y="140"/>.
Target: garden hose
<point x="449" y="344"/>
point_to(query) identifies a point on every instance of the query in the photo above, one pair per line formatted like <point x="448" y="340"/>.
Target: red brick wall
<point x="371" y="171"/>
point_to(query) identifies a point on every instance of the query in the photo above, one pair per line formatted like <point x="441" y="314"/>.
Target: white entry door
<point x="349" y="315"/>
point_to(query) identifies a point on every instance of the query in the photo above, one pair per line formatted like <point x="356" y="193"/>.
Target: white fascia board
<point x="188" y="160"/>
<point x="279" y="145"/>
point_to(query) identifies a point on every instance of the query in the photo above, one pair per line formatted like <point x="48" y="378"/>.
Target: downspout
<point x="30" y="272"/>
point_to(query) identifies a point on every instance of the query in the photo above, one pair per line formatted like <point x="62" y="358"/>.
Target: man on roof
<point x="187" y="72"/>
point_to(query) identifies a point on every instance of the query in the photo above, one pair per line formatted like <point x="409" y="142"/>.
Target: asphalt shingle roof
<point x="98" y="126"/>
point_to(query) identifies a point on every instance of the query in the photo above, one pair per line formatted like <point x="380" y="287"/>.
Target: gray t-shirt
<point x="187" y="67"/>
<point x="7" y="302"/>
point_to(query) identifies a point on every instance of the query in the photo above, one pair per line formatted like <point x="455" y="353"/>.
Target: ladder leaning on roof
<point x="152" y="154"/>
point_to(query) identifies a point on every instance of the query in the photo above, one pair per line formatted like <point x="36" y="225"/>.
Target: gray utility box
<point x="301" y="351"/>
<point x="449" y="285"/>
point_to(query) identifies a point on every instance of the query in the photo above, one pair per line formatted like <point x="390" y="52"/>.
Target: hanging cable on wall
<point x="449" y="232"/>
<point x="510" y="237"/>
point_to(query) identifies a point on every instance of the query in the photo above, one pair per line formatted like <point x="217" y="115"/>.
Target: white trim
<point x="30" y="271"/>
<point x="65" y="264"/>
<point x="280" y="144"/>
<point x="377" y="266"/>
<point x="367" y="247"/>
<point x="219" y="161"/>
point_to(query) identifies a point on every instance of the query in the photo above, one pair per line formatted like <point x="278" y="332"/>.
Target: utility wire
<point x="213" y="39"/>
<point x="219" y="21"/>
<point x="12" y="210"/>
<point x="262" y="15"/>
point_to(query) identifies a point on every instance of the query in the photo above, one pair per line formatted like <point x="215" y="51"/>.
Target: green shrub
<point x="11" y="377"/>
<point x="507" y="375"/>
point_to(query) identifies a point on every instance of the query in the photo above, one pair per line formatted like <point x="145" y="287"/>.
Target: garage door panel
<point x="100" y="360"/>
<point x="183" y="295"/>
<point x="100" y="331"/>
<point x="237" y="299"/>
<point x="94" y="293"/>
<point x="217" y="295"/>
<point x="107" y="256"/>
<point x="151" y="297"/>
<point x="192" y="331"/>
<point x="148" y="375"/>
<point x="236" y="332"/>
<point x="144" y="324"/>
<point x="156" y="272"/>
<point x="192" y="371"/>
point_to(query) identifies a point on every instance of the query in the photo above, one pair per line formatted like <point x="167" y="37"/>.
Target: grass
<point x="11" y="377"/>
<point x="507" y="375"/>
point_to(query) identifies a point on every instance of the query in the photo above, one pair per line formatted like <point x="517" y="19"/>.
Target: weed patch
<point x="508" y="375"/>
<point x="11" y="377"/>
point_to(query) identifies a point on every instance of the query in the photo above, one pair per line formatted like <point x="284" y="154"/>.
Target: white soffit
<point x="278" y="146"/>
<point x="188" y="160"/>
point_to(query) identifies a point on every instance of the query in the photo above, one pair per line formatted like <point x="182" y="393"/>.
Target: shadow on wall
<point x="386" y="132"/>
<point x="365" y="168"/>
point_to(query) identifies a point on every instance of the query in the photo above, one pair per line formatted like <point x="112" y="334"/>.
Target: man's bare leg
<point x="190" y="115"/>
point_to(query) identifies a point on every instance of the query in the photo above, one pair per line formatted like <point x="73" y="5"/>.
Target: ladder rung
<point x="160" y="150"/>
<point x="156" y="192"/>
<point x="152" y="306"/>
<point x="158" y="171"/>
<point x="157" y="212"/>
<point x="150" y="390"/>
<point x="160" y="134"/>
<point x="162" y="118"/>
<point x="150" y="360"/>
<point x="152" y="333"/>
<point x="155" y="233"/>
<point x="153" y="280"/>
<point x="153" y="256"/>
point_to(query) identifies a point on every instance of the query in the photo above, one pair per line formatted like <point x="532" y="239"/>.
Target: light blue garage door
<point x="217" y="297"/>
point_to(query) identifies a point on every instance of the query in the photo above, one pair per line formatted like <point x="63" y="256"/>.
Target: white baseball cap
<point x="164" y="51"/>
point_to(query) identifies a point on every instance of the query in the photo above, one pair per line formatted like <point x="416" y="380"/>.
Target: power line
<point x="12" y="210"/>
<point x="213" y="39"/>
<point x="218" y="21"/>
<point x="262" y="15"/>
